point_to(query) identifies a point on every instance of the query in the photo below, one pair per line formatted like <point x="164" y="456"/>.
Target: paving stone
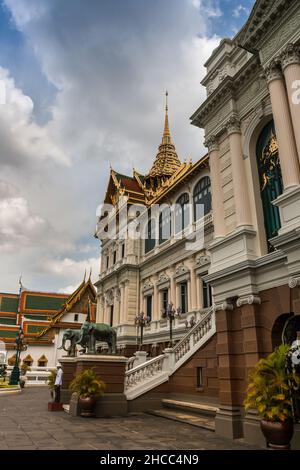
<point x="25" y="423"/>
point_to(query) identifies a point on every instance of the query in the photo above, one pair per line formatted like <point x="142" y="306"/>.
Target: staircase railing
<point x="144" y="371"/>
<point x="195" y="335"/>
<point x="157" y="370"/>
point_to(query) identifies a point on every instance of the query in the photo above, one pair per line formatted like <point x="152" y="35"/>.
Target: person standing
<point x="57" y="383"/>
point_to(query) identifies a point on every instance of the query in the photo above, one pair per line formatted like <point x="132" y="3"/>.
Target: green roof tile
<point x="7" y="321"/>
<point x="8" y="334"/>
<point x="36" y="302"/>
<point x="9" y="304"/>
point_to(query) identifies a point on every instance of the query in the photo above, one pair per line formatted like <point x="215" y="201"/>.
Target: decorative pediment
<point x="261" y="18"/>
<point x="147" y="285"/>
<point x="109" y="297"/>
<point x="203" y="260"/>
<point x="163" y="278"/>
<point x="181" y="269"/>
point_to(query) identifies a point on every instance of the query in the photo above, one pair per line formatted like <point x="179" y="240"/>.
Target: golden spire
<point x="166" y="162"/>
<point x="166" y="135"/>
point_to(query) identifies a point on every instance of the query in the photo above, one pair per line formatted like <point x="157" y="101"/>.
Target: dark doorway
<point x="270" y="178"/>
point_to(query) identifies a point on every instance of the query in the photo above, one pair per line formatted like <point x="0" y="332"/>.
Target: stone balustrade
<point x="148" y="375"/>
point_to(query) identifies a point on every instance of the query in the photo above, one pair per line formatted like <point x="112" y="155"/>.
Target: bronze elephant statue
<point x="74" y="337"/>
<point x="90" y="333"/>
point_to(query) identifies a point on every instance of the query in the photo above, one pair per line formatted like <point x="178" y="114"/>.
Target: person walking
<point x="57" y="383"/>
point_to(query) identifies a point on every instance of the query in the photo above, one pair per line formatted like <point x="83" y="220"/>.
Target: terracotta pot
<point x="87" y="406"/>
<point x="278" y="435"/>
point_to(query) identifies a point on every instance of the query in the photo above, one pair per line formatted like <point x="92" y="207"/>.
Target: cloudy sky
<point x="84" y="84"/>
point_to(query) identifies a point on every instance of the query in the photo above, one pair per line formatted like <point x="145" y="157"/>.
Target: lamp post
<point x="19" y="346"/>
<point x="171" y="313"/>
<point x="141" y="320"/>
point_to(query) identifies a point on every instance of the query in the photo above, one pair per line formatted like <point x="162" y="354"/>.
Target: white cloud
<point x="18" y="226"/>
<point x="111" y="69"/>
<point x="68" y="268"/>
<point x="22" y="140"/>
<point x="210" y="8"/>
<point x="239" y="10"/>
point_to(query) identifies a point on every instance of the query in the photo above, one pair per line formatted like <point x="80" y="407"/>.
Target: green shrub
<point x="51" y="380"/>
<point x="87" y="384"/>
<point x="268" y="391"/>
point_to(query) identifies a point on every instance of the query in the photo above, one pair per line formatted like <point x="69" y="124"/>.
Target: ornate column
<point x="125" y="304"/>
<point x="290" y="62"/>
<point x="283" y="124"/>
<point x="156" y="309"/>
<point x="117" y="301"/>
<point x="121" y="301"/>
<point x="172" y="286"/>
<point x="100" y="312"/>
<point x="199" y="295"/>
<point x="216" y="188"/>
<point x="192" y="294"/>
<point x="240" y="185"/>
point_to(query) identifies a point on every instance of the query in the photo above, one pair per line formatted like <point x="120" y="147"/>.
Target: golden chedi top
<point x="166" y="162"/>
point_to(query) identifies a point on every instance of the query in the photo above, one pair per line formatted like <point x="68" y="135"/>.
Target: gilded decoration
<point x="269" y="160"/>
<point x="165" y="172"/>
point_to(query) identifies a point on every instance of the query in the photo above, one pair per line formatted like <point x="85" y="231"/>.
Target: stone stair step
<point x="194" y="407"/>
<point x="187" y="418"/>
<point x="66" y="408"/>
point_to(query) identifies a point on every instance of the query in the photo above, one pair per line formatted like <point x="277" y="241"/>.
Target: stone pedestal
<point x="289" y="208"/>
<point x="141" y="358"/>
<point x="229" y="422"/>
<point x="110" y="369"/>
<point x="237" y="247"/>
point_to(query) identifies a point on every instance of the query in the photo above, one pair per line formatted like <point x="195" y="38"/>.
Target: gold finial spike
<point x="20" y="284"/>
<point x="166" y="135"/>
<point x="84" y="275"/>
<point x="90" y="272"/>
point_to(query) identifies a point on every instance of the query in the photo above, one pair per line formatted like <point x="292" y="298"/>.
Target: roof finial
<point x="90" y="273"/>
<point x="84" y="275"/>
<point x="166" y="135"/>
<point x="20" y="284"/>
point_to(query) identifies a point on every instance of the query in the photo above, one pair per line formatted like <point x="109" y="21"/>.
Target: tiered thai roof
<point x="40" y="312"/>
<point x="86" y="287"/>
<point x="166" y="162"/>
<point x="166" y="170"/>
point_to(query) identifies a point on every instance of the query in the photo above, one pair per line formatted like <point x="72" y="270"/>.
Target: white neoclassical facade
<point x="146" y="273"/>
<point x="240" y="202"/>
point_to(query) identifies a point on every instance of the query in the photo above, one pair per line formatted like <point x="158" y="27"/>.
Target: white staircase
<point x="150" y="374"/>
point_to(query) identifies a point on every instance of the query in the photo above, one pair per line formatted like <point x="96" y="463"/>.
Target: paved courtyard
<point x="27" y="424"/>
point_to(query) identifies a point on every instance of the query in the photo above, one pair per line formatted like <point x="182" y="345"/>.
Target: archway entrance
<point x="270" y="179"/>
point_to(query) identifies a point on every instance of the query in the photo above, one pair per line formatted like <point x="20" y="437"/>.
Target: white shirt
<point x="58" y="379"/>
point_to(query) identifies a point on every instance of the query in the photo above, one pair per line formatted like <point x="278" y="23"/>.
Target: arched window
<point x="182" y="213"/>
<point x="202" y="198"/>
<point x="150" y="236"/>
<point x="270" y="178"/>
<point x="165" y="224"/>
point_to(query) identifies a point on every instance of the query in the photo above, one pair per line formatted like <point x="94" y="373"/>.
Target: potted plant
<point x="88" y="388"/>
<point x="269" y="393"/>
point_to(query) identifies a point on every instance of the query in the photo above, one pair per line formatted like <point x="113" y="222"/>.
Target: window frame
<point x="203" y="185"/>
